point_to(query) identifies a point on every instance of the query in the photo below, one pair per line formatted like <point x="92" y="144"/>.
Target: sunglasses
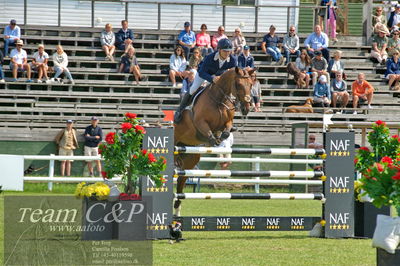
<point x="291" y="30"/>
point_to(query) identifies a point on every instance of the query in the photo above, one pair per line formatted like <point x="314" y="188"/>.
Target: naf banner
<point x="339" y="184"/>
<point x="160" y="142"/>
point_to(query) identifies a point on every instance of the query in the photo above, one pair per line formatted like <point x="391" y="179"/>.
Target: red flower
<point x="125" y="127"/>
<point x="380" y="167"/>
<point x="152" y="159"/>
<point x="355" y="160"/>
<point x="164" y="160"/>
<point x="374" y="178"/>
<point x="135" y="197"/>
<point x="364" y="149"/>
<point x="144" y="152"/>
<point x="135" y="156"/>
<point x="163" y="180"/>
<point x="380" y="122"/>
<point x="130" y="115"/>
<point x="123" y="196"/>
<point x="387" y="159"/>
<point x="396" y="176"/>
<point x="140" y="129"/>
<point x="104" y="174"/>
<point x="110" y="138"/>
<point x="395" y="136"/>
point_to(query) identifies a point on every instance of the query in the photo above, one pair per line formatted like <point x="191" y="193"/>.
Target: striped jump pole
<point x="209" y="181"/>
<point x="229" y="173"/>
<point x="261" y="160"/>
<point x="221" y="150"/>
<point x="265" y="196"/>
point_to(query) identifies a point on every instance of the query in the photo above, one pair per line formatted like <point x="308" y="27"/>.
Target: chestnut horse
<point x="211" y="118"/>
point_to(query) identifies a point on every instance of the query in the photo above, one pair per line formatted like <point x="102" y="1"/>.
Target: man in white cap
<point x="19" y="61"/>
<point x="322" y="93"/>
<point x="379" y="45"/>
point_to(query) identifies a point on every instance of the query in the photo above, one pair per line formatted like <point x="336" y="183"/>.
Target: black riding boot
<point x="184" y="102"/>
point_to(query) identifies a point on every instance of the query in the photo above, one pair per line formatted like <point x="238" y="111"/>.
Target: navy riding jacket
<point x="209" y="67"/>
<point x="244" y="62"/>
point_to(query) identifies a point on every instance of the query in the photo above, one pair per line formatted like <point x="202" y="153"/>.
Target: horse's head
<point x="243" y="84"/>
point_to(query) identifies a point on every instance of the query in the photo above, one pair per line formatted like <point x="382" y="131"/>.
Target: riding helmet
<point x="225" y="44"/>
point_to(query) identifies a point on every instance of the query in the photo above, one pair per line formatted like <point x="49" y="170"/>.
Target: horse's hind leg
<point x="186" y="161"/>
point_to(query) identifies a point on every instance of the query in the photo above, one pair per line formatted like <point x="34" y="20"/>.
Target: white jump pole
<point x="261" y="160"/>
<point x="210" y="181"/>
<point x="51" y="172"/>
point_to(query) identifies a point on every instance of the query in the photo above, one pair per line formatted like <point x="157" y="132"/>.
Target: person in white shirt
<point x="60" y="60"/>
<point x="19" y="61"/>
<point x="39" y="63"/>
<point x="227" y="143"/>
<point x="177" y="65"/>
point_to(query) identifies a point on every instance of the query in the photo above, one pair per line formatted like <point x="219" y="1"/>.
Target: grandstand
<point x="32" y="111"/>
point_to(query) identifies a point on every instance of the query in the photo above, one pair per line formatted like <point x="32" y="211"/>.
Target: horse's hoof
<point x="225" y="135"/>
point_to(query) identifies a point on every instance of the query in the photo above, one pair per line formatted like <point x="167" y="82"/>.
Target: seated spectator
<point x="339" y="92"/>
<point x="335" y="65"/>
<point x="393" y="43"/>
<point x="107" y="40"/>
<point x="195" y="59"/>
<point x="218" y="36"/>
<point x="124" y="37"/>
<point x="362" y="91"/>
<point x="1" y="68"/>
<point x="19" y="61"/>
<point x="256" y="93"/>
<point x="291" y="44"/>
<point x="313" y="144"/>
<point x="203" y="41"/>
<point x="129" y="64"/>
<point x="60" y="61"/>
<point x="379" y="44"/>
<point x="303" y="63"/>
<point x="177" y="65"/>
<point x="270" y="45"/>
<point x="39" y="63"/>
<point x="379" y="20"/>
<point x="67" y="142"/>
<point x="245" y="59"/>
<point x="238" y="42"/>
<point x="317" y="41"/>
<point x="187" y="82"/>
<point x="393" y="69"/>
<point x="319" y="67"/>
<point x="12" y="33"/>
<point x="322" y="92"/>
<point x="187" y="39"/>
<point x="394" y="19"/>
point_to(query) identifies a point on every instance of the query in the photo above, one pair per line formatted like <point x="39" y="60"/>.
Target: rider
<point x="212" y="66"/>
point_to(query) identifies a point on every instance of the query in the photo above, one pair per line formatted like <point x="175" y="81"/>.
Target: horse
<point x="211" y="114"/>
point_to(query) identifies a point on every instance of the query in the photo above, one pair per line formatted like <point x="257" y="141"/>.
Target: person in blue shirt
<point x="317" y="41"/>
<point x="12" y="33"/>
<point x="210" y="69"/>
<point x="322" y="92"/>
<point x="124" y="37"/>
<point x="270" y="45"/>
<point x="187" y="39"/>
<point x="393" y="68"/>
<point x="245" y="59"/>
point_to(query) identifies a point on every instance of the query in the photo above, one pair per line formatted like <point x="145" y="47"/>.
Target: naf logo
<point x="157" y="141"/>
<point x="339" y="184"/>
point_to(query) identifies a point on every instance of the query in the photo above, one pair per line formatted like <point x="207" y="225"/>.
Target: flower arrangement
<point x="123" y="155"/>
<point x="380" y="167"/>
<point x="97" y="190"/>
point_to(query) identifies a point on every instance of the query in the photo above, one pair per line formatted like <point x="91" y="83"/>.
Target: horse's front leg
<point x="203" y="127"/>
<point x="227" y="130"/>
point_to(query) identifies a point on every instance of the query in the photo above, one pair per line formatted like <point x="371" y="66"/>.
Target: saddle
<point x="195" y="96"/>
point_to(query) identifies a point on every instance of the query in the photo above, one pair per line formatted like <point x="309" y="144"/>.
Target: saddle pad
<point x="195" y="96"/>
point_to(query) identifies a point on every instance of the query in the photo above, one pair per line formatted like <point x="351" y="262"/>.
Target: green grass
<point x="245" y="248"/>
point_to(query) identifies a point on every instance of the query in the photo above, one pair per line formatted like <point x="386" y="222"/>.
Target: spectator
<point x="60" y="60"/>
<point x="195" y="59"/>
<point x="203" y="41"/>
<point x="393" y="69"/>
<point x="393" y="43"/>
<point x="129" y="64"/>
<point x="93" y="136"/>
<point x="291" y="44"/>
<point x="270" y="45"/>
<point x="245" y="59"/>
<point x="177" y="65"/>
<point x="12" y="33"/>
<point x="322" y="92"/>
<point x="218" y="36"/>
<point x="331" y="19"/>
<point x="313" y="144"/>
<point x="317" y="41"/>
<point x="67" y="142"/>
<point x="339" y="92"/>
<point x="1" y="68"/>
<point x="107" y="40"/>
<point x="226" y="143"/>
<point x="335" y="65"/>
<point x="39" y="63"/>
<point x="322" y="12"/>
<point x="187" y="39"/>
<point x="394" y="18"/>
<point x="303" y="63"/>
<point x="379" y="20"/>
<point x="319" y="67"/>
<point x="362" y="90"/>
<point x="256" y="93"/>
<point x="19" y="61"/>
<point x="187" y="82"/>
<point x="124" y="37"/>
<point x="379" y="44"/>
<point x="238" y="42"/>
